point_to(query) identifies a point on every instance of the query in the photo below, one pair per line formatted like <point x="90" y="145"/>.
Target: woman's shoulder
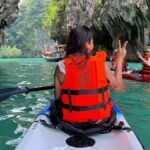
<point x="101" y="55"/>
<point x="61" y="66"/>
<point x="61" y="62"/>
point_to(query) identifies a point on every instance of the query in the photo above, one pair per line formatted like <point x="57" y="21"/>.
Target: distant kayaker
<point x="113" y="62"/>
<point x="145" y="60"/>
<point x="82" y="79"/>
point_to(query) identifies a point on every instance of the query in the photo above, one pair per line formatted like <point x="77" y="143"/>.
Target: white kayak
<point x="40" y="137"/>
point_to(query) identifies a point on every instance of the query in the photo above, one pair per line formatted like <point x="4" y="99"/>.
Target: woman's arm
<point x="146" y="62"/>
<point x="59" y="78"/>
<point x="116" y="82"/>
<point x="113" y="81"/>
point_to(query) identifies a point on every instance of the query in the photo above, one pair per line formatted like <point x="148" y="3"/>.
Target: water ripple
<point x="6" y="117"/>
<point x="16" y="110"/>
<point x="25" y="119"/>
<point x="20" y="129"/>
<point x="14" y="142"/>
<point x="24" y="82"/>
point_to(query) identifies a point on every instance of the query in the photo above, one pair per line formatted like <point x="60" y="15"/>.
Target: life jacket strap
<point x="85" y="92"/>
<point x="89" y="128"/>
<point x="103" y="97"/>
<point x="84" y="108"/>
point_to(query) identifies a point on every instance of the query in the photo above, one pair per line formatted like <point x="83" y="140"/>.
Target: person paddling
<point x="81" y="80"/>
<point x="145" y="60"/>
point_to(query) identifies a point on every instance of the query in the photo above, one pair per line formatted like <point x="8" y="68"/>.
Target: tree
<point x="23" y="32"/>
<point x="54" y="19"/>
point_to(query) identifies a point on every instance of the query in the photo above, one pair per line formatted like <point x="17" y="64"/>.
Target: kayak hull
<point x="52" y="59"/>
<point x="130" y="75"/>
<point x="40" y="137"/>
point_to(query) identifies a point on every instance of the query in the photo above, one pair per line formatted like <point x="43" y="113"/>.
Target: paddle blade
<point x="5" y="93"/>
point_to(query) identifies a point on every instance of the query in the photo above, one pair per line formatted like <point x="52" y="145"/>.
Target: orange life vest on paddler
<point x="146" y="69"/>
<point x="85" y="96"/>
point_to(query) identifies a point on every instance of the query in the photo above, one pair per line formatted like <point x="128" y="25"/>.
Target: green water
<point x="18" y="112"/>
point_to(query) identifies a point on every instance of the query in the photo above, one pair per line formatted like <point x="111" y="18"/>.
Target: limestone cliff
<point x="111" y="20"/>
<point x="79" y="12"/>
<point x="8" y="13"/>
<point x="125" y="20"/>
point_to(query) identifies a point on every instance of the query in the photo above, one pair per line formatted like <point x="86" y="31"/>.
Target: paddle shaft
<point x="5" y="93"/>
<point x="40" y="88"/>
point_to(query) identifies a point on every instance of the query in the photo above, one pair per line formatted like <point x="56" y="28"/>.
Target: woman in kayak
<point x="113" y="62"/>
<point x="145" y="60"/>
<point x="82" y="79"/>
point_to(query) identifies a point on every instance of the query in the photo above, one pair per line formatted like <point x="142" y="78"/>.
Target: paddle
<point x="5" y="93"/>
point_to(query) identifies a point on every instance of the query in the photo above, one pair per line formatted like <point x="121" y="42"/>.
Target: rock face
<point x="112" y="20"/>
<point x="8" y="13"/>
<point x="125" y="20"/>
<point x="79" y="12"/>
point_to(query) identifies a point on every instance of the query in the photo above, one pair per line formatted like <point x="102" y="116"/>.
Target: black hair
<point x="77" y="39"/>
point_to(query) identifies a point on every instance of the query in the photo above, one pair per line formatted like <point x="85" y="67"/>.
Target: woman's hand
<point x="139" y="54"/>
<point x="121" y="50"/>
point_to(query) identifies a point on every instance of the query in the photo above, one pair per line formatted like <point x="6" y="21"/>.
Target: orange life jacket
<point x="146" y="69"/>
<point x="85" y="96"/>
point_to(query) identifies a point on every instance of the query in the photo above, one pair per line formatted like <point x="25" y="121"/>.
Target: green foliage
<point x="54" y="16"/>
<point x="23" y="33"/>
<point x="100" y="1"/>
<point x="51" y="14"/>
<point x="9" y="52"/>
